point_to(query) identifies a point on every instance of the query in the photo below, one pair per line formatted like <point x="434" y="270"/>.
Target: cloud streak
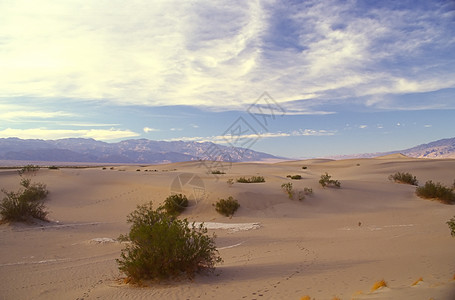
<point x="43" y="133"/>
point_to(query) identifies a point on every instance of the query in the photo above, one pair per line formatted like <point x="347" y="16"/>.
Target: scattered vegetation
<point x="253" y="179"/>
<point x="163" y="247"/>
<point x="297" y="177"/>
<point x="230" y="182"/>
<point x="405" y="178"/>
<point x="227" y="207"/>
<point x="174" y="205"/>
<point x="288" y="189"/>
<point x="437" y="191"/>
<point x="104" y="168"/>
<point x="218" y="172"/>
<point x="53" y="168"/>
<point x="304" y="168"/>
<point x="451" y="224"/>
<point x="25" y="204"/>
<point x="138" y="170"/>
<point x="326" y="181"/>
<point x="29" y="169"/>
<point x="378" y="285"/>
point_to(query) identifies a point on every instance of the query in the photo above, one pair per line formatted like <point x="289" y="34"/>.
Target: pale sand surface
<point x="284" y="249"/>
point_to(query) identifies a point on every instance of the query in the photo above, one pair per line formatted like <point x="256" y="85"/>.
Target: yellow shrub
<point x="378" y="284"/>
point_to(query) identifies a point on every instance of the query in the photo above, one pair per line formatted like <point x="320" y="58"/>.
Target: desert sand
<point x="335" y="243"/>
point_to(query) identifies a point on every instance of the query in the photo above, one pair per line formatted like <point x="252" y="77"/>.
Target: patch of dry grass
<point x="378" y="284"/>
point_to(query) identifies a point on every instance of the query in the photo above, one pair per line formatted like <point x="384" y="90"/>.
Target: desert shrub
<point x="25" y="204"/>
<point x="230" y="182"/>
<point x="175" y="204"/>
<point x="252" y="179"/>
<point x="326" y="181"/>
<point x="218" y="172"/>
<point x="287" y="188"/>
<point x="104" y="168"/>
<point x="227" y="207"/>
<point x="451" y="224"/>
<point x="378" y="285"/>
<point x="437" y="191"/>
<point x="163" y="247"/>
<point x="406" y="178"/>
<point x="297" y="177"/>
<point x="29" y="169"/>
<point x="304" y="168"/>
<point x="53" y="168"/>
<point x="138" y="170"/>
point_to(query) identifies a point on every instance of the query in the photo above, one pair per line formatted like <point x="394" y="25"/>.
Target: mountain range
<point x="143" y="151"/>
<point x="129" y="151"/>
<point x="444" y="148"/>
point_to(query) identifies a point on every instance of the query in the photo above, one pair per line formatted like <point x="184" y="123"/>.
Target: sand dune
<point x="337" y="242"/>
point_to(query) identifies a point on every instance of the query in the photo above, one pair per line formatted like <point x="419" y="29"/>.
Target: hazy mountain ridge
<point x="444" y="148"/>
<point x="128" y="151"/>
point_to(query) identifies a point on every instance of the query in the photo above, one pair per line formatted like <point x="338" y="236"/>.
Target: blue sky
<point x="339" y="77"/>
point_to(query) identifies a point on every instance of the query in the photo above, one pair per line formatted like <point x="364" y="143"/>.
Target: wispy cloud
<point x="225" y="54"/>
<point x="222" y="139"/>
<point x="20" y="115"/>
<point x="43" y="133"/>
<point x="148" y="129"/>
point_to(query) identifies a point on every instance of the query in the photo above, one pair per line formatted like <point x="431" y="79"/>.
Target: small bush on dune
<point x="436" y="191"/>
<point x="174" y="205"/>
<point x="25" y="204"/>
<point x="451" y="224"/>
<point x="230" y="182"/>
<point x="287" y="188"/>
<point x="29" y="169"/>
<point x="405" y="178"/>
<point x="218" y="172"/>
<point x="163" y="247"/>
<point x="326" y="181"/>
<point x="53" y="168"/>
<point x="296" y="177"/>
<point x="252" y="179"/>
<point x="227" y="207"/>
<point x="378" y="285"/>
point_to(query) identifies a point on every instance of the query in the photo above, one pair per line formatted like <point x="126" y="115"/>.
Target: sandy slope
<point x="315" y="247"/>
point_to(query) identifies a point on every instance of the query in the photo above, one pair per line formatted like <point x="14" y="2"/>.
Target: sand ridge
<point x="336" y="242"/>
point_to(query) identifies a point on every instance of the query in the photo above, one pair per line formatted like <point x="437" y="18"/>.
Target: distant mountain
<point x="439" y="149"/>
<point x="129" y="151"/>
<point x="444" y="148"/>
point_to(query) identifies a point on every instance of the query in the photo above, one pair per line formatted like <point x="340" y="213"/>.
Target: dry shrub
<point x="378" y="284"/>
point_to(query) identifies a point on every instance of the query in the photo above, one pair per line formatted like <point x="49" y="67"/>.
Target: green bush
<point x="29" y="169"/>
<point x="287" y="188"/>
<point x="25" y="204"/>
<point x="227" y="207"/>
<point x="163" y="247"/>
<point x="326" y="181"/>
<point x="174" y="205"/>
<point x="252" y="179"/>
<point x="217" y="172"/>
<point x="406" y="178"/>
<point x="451" y="224"/>
<point x="436" y="191"/>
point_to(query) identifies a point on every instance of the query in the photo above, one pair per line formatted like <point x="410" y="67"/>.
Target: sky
<point x="295" y="79"/>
